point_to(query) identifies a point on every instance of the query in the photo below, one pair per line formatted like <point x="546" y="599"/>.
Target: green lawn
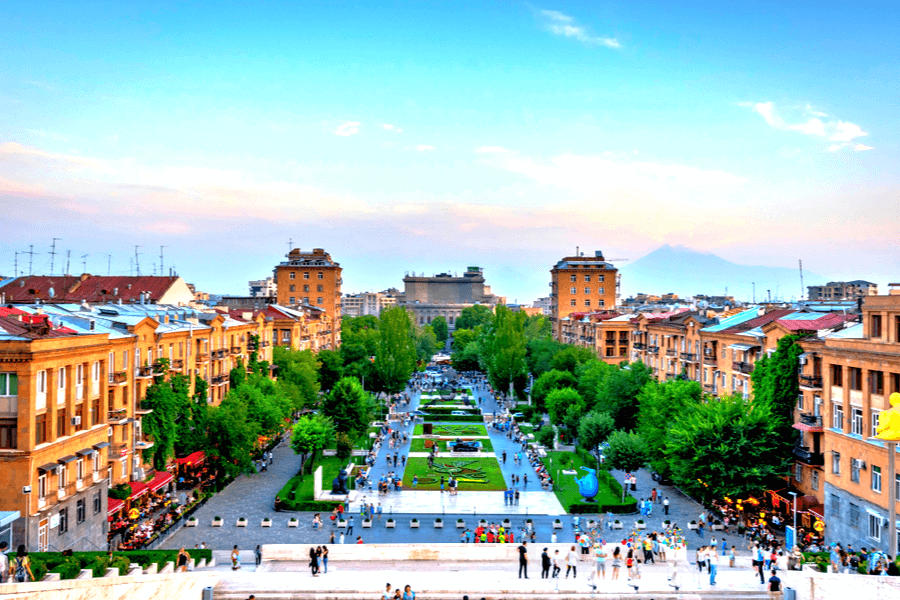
<point x="566" y="489"/>
<point x="526" y="428"/>
<point x="418" y="445"/>
<point x="474" y="474"/>
<point x="331" y="466"/>
<point x="451" y="430"/>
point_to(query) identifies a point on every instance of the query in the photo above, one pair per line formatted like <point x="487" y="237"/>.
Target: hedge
<point x="453" y="419"/>
<point x="69" y="567"/>
<point x="447" y="409"/>
<point x="581" y="508"/>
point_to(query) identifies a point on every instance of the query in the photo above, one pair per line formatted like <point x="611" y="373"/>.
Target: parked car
<point x="518" y="415"/>
<point x="460" y="413"/>
<point x="418" y="413"/>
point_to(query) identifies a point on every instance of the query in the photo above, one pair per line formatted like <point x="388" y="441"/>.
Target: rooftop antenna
<point x="84" y="263"/>
<point x="16" y="264"/>
<point x="68" y="256"/>
<point x="290" y="244"/>
<point x="108" y="264"/>
<point x="161" y="260"/>
<point x="802" y="289"/>
<point x="30" y="254"/>
<point x="137" y="261"/>
<point x="53" y="253"/>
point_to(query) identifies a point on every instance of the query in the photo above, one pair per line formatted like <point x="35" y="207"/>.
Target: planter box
<point x="718" y="528"/>
<point x="507" y="524"/>
<point x="242" y="522"/>
<point x="460" y="524"/>
<point x="482" y="523"/>
<point x="557" y="525"/>
<point x="342" y="523"/>
<point x="414" y="524"/>
<point x="367" y="524"/>
<point x="217" y="522"/>
<point x="617" y="526"/>
<point x="591" y="524"/>
<point x="190" y="523"/>
<point x="266" y="523"/>
<point x="438" y="524"/>
<point x="692" y="526"/>
<point x="640" y="526"/>
<point x="293" y="523"/>
<point x="390" y="524"/>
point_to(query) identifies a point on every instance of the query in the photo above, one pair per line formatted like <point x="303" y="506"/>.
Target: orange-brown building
<point x="313" y="279"/>
<point x="581" y="284"/>
<point x="607" y="334"/>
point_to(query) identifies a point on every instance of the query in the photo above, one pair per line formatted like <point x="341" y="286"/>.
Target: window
<point x="62" y="477"/>
<point x="293" y="300"/>
<point x="856" y="422"/>
<point x="79" y="469"/>
<point x="123" y="466"/>
<point x="587" y="290"/>
<point x="837" y="416"/>
<point x="42" y="486"/>
<point x="814" y="479"/>
<point x="319" y="300"/>
<point x="854" y="516"/>
<point x="837" y="375"/>
<point x="80" y="511"/>
<point x="601" y="290"/>
<point x="291" y="275"/>
<point x="798" y="472"/>
<point x="320" y="275"/>
<point x="320" y="288"/>
<point x="293" y="288"/>
<point x="8" y="434"/>
<point x="875" y="527"/>
<point x="876" y="479"/>
<point x="600" y="278"/>
<point x="306" y="275"/>
<point x="306" y="287"/>
<point x="587" y="303"/>
<point x="875" y="415"/>
<point x="40" y="429"/>
<point x="573" y="278"/>
<point x="61" y="422"/>
<point x="63" y="520"/>
<point x="836" y="463"/>
<point x="79" y="381"/>
<point x="855" y="378"/>
<point x="876" y="382"/>
<point x="897" y="485"/>
<point x="587" y="278"/>
<point x="305" y="299"/>
<point x="800" y="401"/>
<point x="875" y="326"/>
<point x="95" y="378"/>
<point x="601" y="302"/>
<point x="41" y="387"/>
<point x="836" y="505"/>
<point x="61" y="384"/>
<point x="285" y="335"/>
<point x="95" y="459"/>
<point x="854" y="470"/>
<point x="572" y="302"/>
<point x="573" y="290"/>
<point x="98" y="503"/>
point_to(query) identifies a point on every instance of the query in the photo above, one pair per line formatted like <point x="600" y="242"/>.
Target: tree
<point x="426" y="343"/>
<point x="331" y="368"/>
<point x="311" y="434"/>
<point x="395" y="357"/>
<point x="546" y="436"/>
<point x="160" y="424"/>
<point x="472" y="316"/>
<point x="594" y="429"/>
<point x="343" y="445"/>
<point x="618" y="393"/>
<point x="537" y="327"/>
<point x="662" y="405"/>
<point x="506" y="358"/>
<point x="348" y="406"/>
<point x="441" y="329"/>
<point x="237" y="375"/>
<point x="625" y="451"/>
<point x="540" y="354"/>
<point x="469" y="358"/>
<point x="264" y="408"/>
<point x="547" y="383"/>
<point x="726" y="447"/>
<point x="570" y="358"/>
<point x="232" y="435"/>
<point x="462" y="338"/>
<point x="775" y="383"/>
<point x="591" y="378"/>
<point x="559" y="402"/>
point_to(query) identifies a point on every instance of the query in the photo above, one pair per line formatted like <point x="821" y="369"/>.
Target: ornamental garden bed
<point x="453" y="430"/>
<point x="302" y="498"/>
<point x="473" y="474"/>
<point x="424" y="445"/>
<point x="608" y="498"/>
<point x="69" y="567"/>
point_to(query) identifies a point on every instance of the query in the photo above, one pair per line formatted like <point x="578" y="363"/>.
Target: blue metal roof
<point x="733" y="320"/>
<point x="852" y="332"/>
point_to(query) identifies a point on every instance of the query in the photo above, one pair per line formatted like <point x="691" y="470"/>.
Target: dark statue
<point x="461" y="446"/>
<point x="339" y="484"/>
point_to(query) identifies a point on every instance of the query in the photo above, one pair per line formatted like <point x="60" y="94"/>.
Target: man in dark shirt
<point x="774" y="586"/>
<point x="545" y="564"/>
<point x="523" y="559"/>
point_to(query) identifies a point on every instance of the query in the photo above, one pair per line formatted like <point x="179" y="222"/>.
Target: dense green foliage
<point x="565" y="407"/>
<point x="349" y="407"/>
<point x="441" y="329"/>
<point x="594" y="428"/>
<point x="626" y="451"/>
<point x="331" y="368"/>
<point x="310" y="435"/>
<point x="547" y="383"/>
<point x="661" y="405"/>
<point x="506" y="363"/>
<point x="166" y="399"/>
<point x="775" y="383"/>
<point x="395" y="353"/>
<point x="69" y="567"/>
<point x="473" y="316"/>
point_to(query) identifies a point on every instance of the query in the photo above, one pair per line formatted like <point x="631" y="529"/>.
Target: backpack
<point x="20" y="569"/>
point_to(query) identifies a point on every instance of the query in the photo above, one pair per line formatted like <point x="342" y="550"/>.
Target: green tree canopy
<point x="591" y="378"/>
<point x="626" y="451"/>
<point x="594" y="429"/>
<point x="470" y="358"/>
<point x="462" y="338"/>
<point x="311" y="434"/>
<point x="506" y="354"/>
<point x="331" y="368"/>
<point x="662" y="405"/>
<point x="441" y="329"/>
<point x="617" y="395"/>
<point x="537" y="327"/>
<point x="426" y="343"/>
<point x="232" y="435"/>
<point x="165" y="403"/>
<point x="473" y="316"/>
<point x="775" y="383"/>
<point x="395" y="357"/>
<point x="547" y="383"/>
<point x="540" y="354"/>
<point x="571" y="357"/>
<point x="349" y="407"/>
<point x="726" y="447"/>
<point x="560" y="401"/>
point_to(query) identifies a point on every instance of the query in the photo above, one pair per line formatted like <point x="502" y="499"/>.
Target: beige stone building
<point x="581" y="284"/>
<point x="445" y="295"/>
<point x="314" y="279"/>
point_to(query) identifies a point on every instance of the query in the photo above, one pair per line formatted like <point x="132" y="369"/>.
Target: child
<point x="731" y="558"/>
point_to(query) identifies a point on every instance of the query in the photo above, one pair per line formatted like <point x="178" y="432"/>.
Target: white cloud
<point x="491" y="150"/>
<point x="387" y="126"/>
<point x="561" y="24"/>
<point x="424" y="148"/>
<point x="347" y="129"/>
<point x="861" y="147"/>
<point x="839" y="131"/>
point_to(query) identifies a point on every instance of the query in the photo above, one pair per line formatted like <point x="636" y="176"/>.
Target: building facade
<point x="313" y="279"/>
<point x="580" y="284"/>
<point x="263" y="288"/>
<point x="368" y="303"/>
<point x="841" y="290"/>
<point x="445" y="295"/>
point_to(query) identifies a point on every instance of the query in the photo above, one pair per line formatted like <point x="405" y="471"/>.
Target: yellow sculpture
<point x="889" y="422"/>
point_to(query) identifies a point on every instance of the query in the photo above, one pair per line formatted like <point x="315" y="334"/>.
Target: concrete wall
<point x="839" y="528"/>
<point x="176" y="586"/>
<point x="825" y="586"/>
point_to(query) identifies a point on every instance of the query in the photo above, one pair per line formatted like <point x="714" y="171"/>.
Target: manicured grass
<point x="453" y="430"/>
<point x="418" y="445"/>
<point x="526" y="428"/>
<point x="566" y="489"/>
<point x="331" y="466"/>
<point x="474" y="474"/>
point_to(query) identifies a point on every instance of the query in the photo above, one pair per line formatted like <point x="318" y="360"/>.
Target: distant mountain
<point x="687" y="272"/>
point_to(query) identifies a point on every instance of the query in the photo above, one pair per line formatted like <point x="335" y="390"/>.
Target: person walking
<point x="523" y="559"/>
<point x="545" y="564"/>
<point x="713" y="562"/>
<point x="325" y="558"/>
<point x="4" y="563"/>
<point x="235" y="559"/>
<point x="313" y="562"/>
<point x="350" y="525"/>
<point x="21" y="566"/>
<point x="572" y="563"/>
<point x="666" y="505"/>
<point x="600" y="558"/>
<point x="258" y="553"/>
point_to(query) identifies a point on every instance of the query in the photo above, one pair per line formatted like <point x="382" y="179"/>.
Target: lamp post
<point x="794" y="494"/>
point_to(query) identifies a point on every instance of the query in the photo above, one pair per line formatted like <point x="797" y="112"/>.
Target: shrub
<point x="546" y="436"/>
<point x="119" y="492"/>
<point x="453" y="419"/>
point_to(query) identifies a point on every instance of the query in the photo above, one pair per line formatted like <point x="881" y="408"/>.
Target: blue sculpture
<point x="588" y="486"/>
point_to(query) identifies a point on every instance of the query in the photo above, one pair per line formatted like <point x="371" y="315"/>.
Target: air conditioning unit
<point x="802" y="360"/>
<point x="109" y="431"/>
<point x="76" y="421"/>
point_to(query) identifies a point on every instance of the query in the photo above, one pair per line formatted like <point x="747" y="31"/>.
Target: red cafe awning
<point x="114" y="506"/>
<point x="817" y="510"/>
<point x="159" y="481"/>
<point x="194" y="458"/>
<point x="138" y="489"/>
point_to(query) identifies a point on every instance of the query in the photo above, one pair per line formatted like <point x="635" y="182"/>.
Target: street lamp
<point x="794" y="494"/>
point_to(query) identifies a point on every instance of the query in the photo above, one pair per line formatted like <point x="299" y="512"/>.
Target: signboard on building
<point x="54" y="521"/>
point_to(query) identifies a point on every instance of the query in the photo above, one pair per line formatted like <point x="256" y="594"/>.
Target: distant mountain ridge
<point x="687" y="272"/>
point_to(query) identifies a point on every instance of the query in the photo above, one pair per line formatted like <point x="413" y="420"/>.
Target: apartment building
<point x="581" y="284"/>
<point x="841" y="290"/>
<point x="607" y="334"/>
<point x="368" y="303"/>
<point x="96" y="289"/>
<point x="263" y="288"/>
<point x="312" y="279"/>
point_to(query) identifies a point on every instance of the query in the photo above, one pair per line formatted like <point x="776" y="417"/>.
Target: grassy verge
<point x="474" y="474"/>
<point x="418" y="445"/>
<point x="303" y="490"/>
<point x="453" y="430"/>
<point x="609" y="496"/>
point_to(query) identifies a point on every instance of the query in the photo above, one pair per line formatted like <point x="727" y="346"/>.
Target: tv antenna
<point x="53" y="253"/>
<point x="161" y="260"/>
<point x="802" y="289"/>
<point x="108" y="264"/>
<point x="16" y="264"/>
<point x="137" y="261"/>
<point x="30" y="254"/>
<point x="68" y="256"/>
<point x="84" y="263"/>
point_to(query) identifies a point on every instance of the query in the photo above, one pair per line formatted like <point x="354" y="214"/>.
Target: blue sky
<point x="431" y="136"/>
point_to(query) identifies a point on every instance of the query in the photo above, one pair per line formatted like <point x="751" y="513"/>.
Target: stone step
<point x="512" y="595"/>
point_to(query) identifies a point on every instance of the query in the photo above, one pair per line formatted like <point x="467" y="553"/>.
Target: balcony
<point x="97" y="477"/>
<point x="742" y="367"/>
<point x="671" y="352"/>
<point x="810" y="382"/>
<point x="219" y="379"/>
<point x="202" y="357"/>
<point x="813" y="459"/>
<point x="177" y="365"/>
<point x="610" y="341"/>
<point x="142" y="444"/>
<point x="236" y="350"/>
<point x="252" y="346"/>
<point x="118" y="378"/>
<point x="114" y="417"/>
<point x="811" y="419"/>
<point x="639" y="345"/>
<point x="709" y="387"/>
<point x="143" y="372"/>
<point x="116" y="450"/>
<point x="653" y="349"/>
<point x="141" y="410"/>
<point x="689" y="357"/>
<point x="710" y="360"/>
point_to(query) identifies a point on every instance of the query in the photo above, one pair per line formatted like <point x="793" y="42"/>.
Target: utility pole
<point x="68" y="256"/>
<point x="802" y="289"/>
<point x="137" y="261"/>
<point x="53" y="253"/>
<point x="754" y="292"/>
<point x="161" y="260"/>
<point x="108" y="264"/>
<point x="30" y="254"/>
<point x="84" y="263"/>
